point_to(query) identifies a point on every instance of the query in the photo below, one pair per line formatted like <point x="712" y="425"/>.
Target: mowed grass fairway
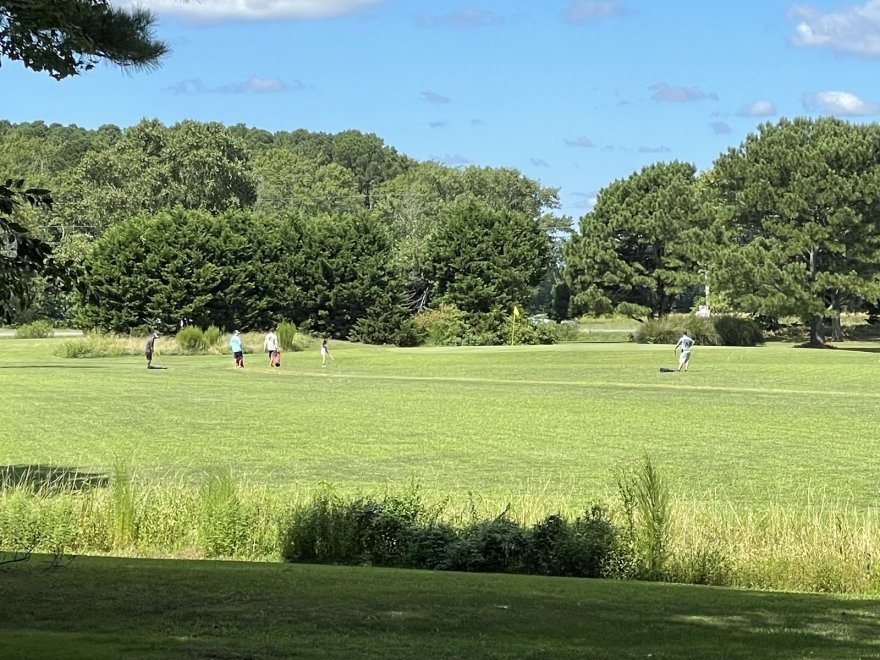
<point x="535" y="426"/>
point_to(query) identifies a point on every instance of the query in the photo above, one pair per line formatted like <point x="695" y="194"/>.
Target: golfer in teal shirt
<point x="237" y="351"/>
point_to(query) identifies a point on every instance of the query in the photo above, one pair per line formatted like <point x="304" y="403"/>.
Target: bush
<point x="320" y="532"/>
<point x="443" y="326"/>
<point x="35" y="330"/>
<point x="737" y="331"/>
<point x="668" y="329"/>
<point x="191" y="339"/>
<point x="286" y="332"/>
<point x="713" y="331"/>
<point x="493" y="546"/>
<point x="211" y="336"/>
<point x="579" y="549"/>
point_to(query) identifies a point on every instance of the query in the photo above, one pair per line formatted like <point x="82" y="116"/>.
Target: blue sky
<point x="574" y="93"/>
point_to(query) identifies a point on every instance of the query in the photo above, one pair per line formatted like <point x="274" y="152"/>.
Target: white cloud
<point x="841" y="104"/>
<point x="760" y="108"/>
<point x="720" y="128"/>
<point x="220" y="10"/>
<point x="852" y="29"/>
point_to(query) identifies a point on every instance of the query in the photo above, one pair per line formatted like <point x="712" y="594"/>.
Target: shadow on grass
<point x="50" y="477"/>
<point x="860" y="349"/>
<point x="52" y="366"/>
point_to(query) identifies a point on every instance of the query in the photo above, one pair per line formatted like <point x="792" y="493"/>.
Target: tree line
<point x="238" y="227"/>
<point x="340" y="233"/>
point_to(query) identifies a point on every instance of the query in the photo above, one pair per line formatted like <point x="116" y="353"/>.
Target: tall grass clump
<point x="122" y="497"/>
<point x="94" y="345"/>
<point x="645" y="499"/>
<point x="221" y="521"/>
<point x="39" y="329"/>
<point x="211" y="337"/>
<point x="290" y="339"/>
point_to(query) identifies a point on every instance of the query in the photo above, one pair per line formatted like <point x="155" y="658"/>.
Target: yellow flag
<point x="515" y="311"/>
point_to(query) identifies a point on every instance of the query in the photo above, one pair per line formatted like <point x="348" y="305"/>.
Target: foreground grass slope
<point x="514" y="424"/>
<point x="109" y="608"/>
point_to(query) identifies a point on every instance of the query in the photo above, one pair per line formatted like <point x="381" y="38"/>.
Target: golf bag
<point x="276" y="359"/>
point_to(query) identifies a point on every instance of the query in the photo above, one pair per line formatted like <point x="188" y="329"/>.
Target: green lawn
<point x="509" y="423"/>
<point x="117" y="608"/>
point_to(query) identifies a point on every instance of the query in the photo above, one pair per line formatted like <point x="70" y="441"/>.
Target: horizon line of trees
<point x="341" y="232"/>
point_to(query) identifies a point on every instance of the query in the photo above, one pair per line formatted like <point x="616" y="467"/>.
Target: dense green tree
<point x="481" y="259"/>
<point x="23" y="256"/>
<point x="355" y="277"/>
<point x="153" y="167"/>
<point x="800" y="200"/>
<point x="67" y="37"/>
<point x="638" y="249"/>
<point x="413" y="203"/>
<point x="291" y="183"/>
<point x="233" y="270"/>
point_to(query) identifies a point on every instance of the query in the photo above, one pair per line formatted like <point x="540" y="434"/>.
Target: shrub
<point x="579" y="549"/>
<point x="191" y="339"/>
<point x="443" y="326"/>
<point x="737" y="331"/>
<point x="286" y="332"/>
<point x="668" y="329"/>
<point x="320" y="532"/>
<point x="39" y="329"/>
<point x="211" y="336"/>
<point x="493" y="546"/>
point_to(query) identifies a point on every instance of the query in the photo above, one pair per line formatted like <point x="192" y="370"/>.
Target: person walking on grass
<point x="237" y="350"/>
<point x="270" y="345"/>
<point x="685" y="344"/>
<point x="149" y="347"/>
<point x="325" y="353"/>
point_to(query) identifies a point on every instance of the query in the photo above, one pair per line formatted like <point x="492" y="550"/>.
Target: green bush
<point x="491" y="546"/>
<point x="211" y="336"/>
<point x="443" y="326"/>
<point x="320" y="532"/>
<point x="578" y="549"/>
<point x="713" y="331"/>
<point x="191" y="339"/>
<point x="737" y="331"/>
<point x="39" y="329"/>
<point x="286" y="332"/>
<point x="668" y="329"/>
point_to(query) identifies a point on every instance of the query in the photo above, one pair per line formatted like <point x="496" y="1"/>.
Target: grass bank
<point x="110" y="608"/>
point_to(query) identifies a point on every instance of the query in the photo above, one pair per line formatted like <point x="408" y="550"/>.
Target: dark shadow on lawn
<point x="50" y="477"/>
<point x="51" y="366"/>
<point x="860" y="349"/>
